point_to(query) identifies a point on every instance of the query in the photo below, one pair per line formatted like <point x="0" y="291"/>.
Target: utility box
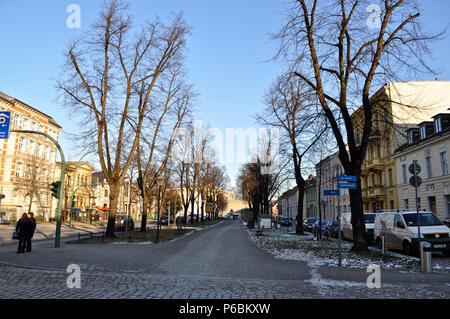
<point x="265" y="221"/>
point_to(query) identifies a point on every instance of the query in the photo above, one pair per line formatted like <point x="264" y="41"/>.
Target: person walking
<point x="23" y="229"/>
<point x="33" y="228"/>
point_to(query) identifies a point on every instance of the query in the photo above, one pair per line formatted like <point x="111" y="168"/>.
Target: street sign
<point x="347" y="179"/>
<point x="209" y="207"/>
<point x="5" y="120"/>
<point x="418" y="169"/>
<point x="334" y="192"/>
<point x="413" y="182"/>
<point x="348" y="185"/>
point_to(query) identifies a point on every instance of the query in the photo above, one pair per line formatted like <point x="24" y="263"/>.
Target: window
<point x="379" y="150"/>
<point x="33" y="126"/>
<point x="444" y="163"/>
<point x="397" y="219"/>
<point x="432" y="204"/>
<point x="373" y="180"/>
<point x="30" y="147"/>
<point x="406" y="204"/>
<point x="428" y="164"/>
<point x="404" y="176"/>
<point x="372" y="152"/>
<point x="25" y="124"/>
<point x="16" y="120"/>
<point x="447" y="204"/>
<point x="21" y="143"/>
<point x="391" y="181"/>
<point x="392" y="204"/>
<point x="388" y="147"/>
<point x="18" y="172"/>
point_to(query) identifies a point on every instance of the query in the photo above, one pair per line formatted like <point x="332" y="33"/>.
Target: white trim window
<point x="20" y="144"/>
<point x="444" y="162"/>
<point x="428" y="164"/>
<point x="16" y="120"/>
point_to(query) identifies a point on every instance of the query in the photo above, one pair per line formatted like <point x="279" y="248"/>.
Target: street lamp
<point x="159" y="182"/>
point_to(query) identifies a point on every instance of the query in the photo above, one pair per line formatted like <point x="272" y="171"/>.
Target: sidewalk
<point x="46" y="231"/>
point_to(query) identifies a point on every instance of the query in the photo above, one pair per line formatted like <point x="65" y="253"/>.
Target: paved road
<point x="218" y="262"/>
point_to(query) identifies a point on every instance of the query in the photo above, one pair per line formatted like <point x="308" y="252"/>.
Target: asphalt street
<point x="218" y="262"/>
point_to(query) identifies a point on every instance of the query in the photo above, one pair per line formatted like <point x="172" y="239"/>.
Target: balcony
<point x="375" y="135"/>
<point x="376" y="164"/>
<point x="375" y="191"/>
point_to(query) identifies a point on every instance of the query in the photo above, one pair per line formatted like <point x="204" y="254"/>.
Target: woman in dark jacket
<point x="24" y="229"/>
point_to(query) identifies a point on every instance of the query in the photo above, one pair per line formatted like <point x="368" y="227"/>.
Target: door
<point x="399" y="232"/>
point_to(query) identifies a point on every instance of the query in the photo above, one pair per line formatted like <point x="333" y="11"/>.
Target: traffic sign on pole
<point x="347" y="178"/>
<point x="334" y="192"/>
<point x="5" y="121"/>
<point x="415" y="167"/>
<point x="347" y="185"/>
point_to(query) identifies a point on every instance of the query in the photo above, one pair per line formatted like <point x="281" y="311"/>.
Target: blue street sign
<point x="5" y="119"/>
<point x="334" y="192"/>
<point x="347" y="179"/>
<point x="348" y="185"/>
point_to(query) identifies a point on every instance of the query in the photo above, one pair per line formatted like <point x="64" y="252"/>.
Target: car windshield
<point x="426" y="219"/>
<point x="369" y="218"/>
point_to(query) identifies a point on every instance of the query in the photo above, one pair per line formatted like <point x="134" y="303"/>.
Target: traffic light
<point x="55" y="189"/>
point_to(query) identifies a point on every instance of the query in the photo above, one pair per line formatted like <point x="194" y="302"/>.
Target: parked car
<point x="320" y="226"/>
<point x="400" y="231"/>
<point x="285" y="221"/>
<point x="347" y="228"/>
<point x="121" y="222"/>
<point x="308" y="223"/>
<point x="332" y="229"/>
<point x="164" y="220"/>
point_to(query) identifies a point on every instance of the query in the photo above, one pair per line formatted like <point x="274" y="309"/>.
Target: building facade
<point x="429" y="145"/>
<point x="400" y="106"/>
<point x="77" y="183"/>
<point x="28" y="162"/>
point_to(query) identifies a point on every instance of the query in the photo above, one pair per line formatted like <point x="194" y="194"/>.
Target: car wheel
<point x="407" y="248"/>
<point x="379" y="243"/>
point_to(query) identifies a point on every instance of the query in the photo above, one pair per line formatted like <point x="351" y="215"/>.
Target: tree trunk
<point x="186" y="209"/>
<point x="144" y="213"/>
<point x="358" y="224"/>
<point x="301" y="193"/>
<point x="114" y="190"/>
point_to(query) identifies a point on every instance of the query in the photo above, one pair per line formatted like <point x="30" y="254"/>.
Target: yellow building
<point x="401" y="105"/>
<point x="77" y="180"/>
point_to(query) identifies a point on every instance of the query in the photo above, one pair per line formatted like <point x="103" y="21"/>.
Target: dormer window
<point x="413" y="136"/>
<point x="437" y="125"/>
<point x="441" y="122"/>
<point x="426" y="129"/>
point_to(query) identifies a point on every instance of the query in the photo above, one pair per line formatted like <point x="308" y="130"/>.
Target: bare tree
<point x="291" y="107"/>
<point x="331" y="46"/>
<point x="104" y="69"/>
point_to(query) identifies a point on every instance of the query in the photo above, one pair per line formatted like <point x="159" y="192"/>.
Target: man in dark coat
<point x="33" y="221"/>
<point x="24" y="228"/>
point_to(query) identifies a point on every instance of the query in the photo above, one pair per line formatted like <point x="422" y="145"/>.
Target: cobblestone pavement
<point x="28" y="283"/>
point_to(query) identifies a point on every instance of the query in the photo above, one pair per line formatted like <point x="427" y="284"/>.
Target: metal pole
<point x="61" y="185"/>
<point x="339" y="219"/>
<point x="417" y="204"/>
<point x="157" y="223"/>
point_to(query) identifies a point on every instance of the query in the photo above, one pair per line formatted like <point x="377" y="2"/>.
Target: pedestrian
<point x="33" y="221"/>
<point x="23" y="229"/>
<point x="179" y="223"/>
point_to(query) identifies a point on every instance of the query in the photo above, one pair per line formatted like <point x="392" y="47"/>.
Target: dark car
<point x="285" y="221"/>
<point x="121" y="222"/>
<point x="308" y="223"/>
<point x="164" y="220"/>
<point x="332" y="229"/>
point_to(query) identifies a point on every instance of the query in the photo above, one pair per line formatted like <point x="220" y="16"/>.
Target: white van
<point x="347" y="229"/>
<point x="400" y="231"/>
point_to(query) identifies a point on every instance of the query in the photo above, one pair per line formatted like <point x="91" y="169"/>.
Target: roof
<point x="405" y="146"/>
<point x="13" y="101"/>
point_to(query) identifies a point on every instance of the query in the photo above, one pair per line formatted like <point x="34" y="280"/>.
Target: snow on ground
<point x="285" y="245"/>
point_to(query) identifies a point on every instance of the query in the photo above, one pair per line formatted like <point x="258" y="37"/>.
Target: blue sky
<point x="227" y="53"/>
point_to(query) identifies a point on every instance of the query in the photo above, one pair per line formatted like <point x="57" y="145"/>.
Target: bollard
<point x="425" y="258"/>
